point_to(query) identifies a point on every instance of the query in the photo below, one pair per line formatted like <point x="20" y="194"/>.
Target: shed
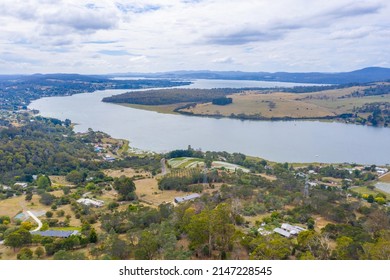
<point x="56" y="233"/>
<point x="282" y="232"/>
<point x="186" y="198"/>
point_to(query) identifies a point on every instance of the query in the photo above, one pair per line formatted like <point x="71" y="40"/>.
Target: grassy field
<point x="267" y="105"/>
<point x="59" y="181"/>
<point x="185" y="162"/>
<point x="386" y="178"/>
<point x="188" y="162"/>
<point x="365" y="190"/>
<point x="128" y="172"/>
<point x="147" y="191"/>
<point x="291" y="105"/>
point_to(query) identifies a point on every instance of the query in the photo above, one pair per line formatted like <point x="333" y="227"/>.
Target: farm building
<point x="283" y="232"/>
<point x="91" y="202"/>
<point x="56" y="233"/>
<point x="186" y="198"/>
<point x="288" y="230"/>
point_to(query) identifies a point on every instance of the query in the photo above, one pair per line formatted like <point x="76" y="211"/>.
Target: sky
<point x="118" y="36"/>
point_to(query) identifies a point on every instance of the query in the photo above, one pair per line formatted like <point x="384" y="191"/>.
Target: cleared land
<point x="128" y="172"/>
<point x="188" y="162"/>
<point x="148" y="192"/>
<point x="385" y="178"/>
<point x="365" y="190"/>
<point x="321" y="104"/>
<point x="59" y="181"/>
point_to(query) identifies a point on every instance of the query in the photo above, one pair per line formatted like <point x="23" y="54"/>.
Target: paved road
<point x="35" y="219"/>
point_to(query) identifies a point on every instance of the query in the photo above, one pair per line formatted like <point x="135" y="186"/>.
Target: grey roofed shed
<point x="187" y="197"/>
<point x="55" y="233"/>
<point x="282" y="232"/>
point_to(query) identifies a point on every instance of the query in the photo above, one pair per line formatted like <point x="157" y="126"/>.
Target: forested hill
<point x="17" y="91"/>
<point x="366" y="75"/>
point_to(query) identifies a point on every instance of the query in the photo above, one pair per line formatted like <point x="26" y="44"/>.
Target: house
<point x="91" y="202"/>
<point x="186" y="198"/>
<point x="292" y="229"/>
<point x="5" y="188"/>
<point x="23" y="185"/>
<point x="381" y="170"/>
<point x="108" y="158"/>
<point x="312" y="184"/>
<point x="56" y="233"/>
<point x="288" y="230"/>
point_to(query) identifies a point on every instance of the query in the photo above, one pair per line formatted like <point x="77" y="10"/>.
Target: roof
<point x="282" y="232"/>
<point x="88" y="201"/>
<point x="187" y="197"/>
<point x="56" y="233"/>
<point x="292" y="229"/>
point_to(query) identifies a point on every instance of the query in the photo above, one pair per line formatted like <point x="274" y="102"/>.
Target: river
<point x="282" y="141"/>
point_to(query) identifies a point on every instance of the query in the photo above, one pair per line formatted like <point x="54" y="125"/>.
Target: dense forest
<point x="171" y="96"/>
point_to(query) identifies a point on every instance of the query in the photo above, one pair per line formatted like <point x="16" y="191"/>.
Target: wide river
<point x="282" y="141"/>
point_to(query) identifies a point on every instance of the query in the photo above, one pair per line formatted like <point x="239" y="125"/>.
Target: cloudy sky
<point x="109" y="36"/>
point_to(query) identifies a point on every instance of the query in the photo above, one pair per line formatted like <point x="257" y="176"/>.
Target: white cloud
<point x="158" y="35"/>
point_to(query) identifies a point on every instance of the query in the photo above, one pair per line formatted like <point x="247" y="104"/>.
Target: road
<point x="35" y="219"/>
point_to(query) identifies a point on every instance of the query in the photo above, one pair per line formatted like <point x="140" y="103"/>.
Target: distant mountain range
<point x="366" y="75"/>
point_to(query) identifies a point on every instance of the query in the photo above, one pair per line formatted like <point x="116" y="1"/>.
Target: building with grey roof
<point x="56" y="233"/>
<point x="283" y="232"/>
<point x="186" y="198"/>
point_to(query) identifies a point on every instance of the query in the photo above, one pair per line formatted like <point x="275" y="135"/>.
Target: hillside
<point x="365" y="75"/>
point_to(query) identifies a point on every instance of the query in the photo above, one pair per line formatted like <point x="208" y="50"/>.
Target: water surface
<point x="282" y="141"/>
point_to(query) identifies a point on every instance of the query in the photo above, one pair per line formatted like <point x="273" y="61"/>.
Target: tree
<point x="342" y="249"/>
<point x="147" y="246"/>
<point x="75" y="177"/>
<point x="43" y="182"/>
<point x="93" y="236"/>
<point x="18" y="238"/>
<point x="125" y="188"/>
<point x="380" y="250"/>
<point x="39" y="252"/>
<point x="117" y="248"/>
<point x="272" y="247"/>
<point x="29" y="196"/>
<point x="26" y="225"/>
<point x="200" y="231"/>
<point x="49" y="214"/>
<point x="25" y="254"/>
<point x="65" y="255"/>
<point x="46" y="198"/>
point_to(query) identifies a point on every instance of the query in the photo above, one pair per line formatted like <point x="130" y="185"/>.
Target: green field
<point x="365" y="190"/>
<point x="188" y="162"/>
